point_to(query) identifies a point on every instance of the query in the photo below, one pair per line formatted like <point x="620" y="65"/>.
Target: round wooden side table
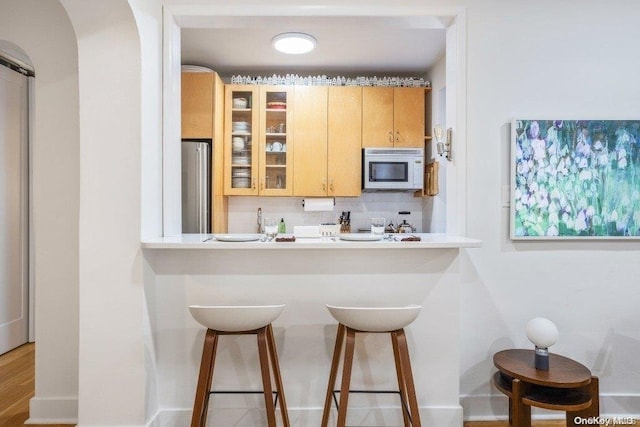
<point x="567" y="386"/>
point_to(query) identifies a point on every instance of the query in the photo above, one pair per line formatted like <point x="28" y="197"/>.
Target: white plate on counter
<point x="237" y="237"/>
<point x="360" y="237"/>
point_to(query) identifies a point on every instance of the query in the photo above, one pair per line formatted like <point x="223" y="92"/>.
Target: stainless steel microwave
<point x="392" y="169"/>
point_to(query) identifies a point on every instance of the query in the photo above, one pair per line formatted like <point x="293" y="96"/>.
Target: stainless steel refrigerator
<point x="196" y="186"/>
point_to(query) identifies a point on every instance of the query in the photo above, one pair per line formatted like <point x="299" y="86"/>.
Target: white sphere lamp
<point x="543" y="333"/>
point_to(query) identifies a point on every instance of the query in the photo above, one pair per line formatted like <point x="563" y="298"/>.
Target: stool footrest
<point x="405" y="407"/>
<point x="239" y="392"/>
<point x="274" y="393"/>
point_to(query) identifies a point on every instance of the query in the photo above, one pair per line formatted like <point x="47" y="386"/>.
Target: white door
<point x="14" y="293"/>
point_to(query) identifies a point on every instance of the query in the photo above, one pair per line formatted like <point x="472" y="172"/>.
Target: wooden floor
<point x="505" y="424"/>
<point x="17" y="386"/>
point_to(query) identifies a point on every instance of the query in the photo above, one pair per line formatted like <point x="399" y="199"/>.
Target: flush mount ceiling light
<point x="294" y="43"/>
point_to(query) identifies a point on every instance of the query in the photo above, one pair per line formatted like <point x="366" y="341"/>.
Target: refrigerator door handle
<point x="200" y="189"/>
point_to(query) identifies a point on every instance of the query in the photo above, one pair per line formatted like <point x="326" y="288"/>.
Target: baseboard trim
<point x="495" y="407"/>
<point x="312" y="417"/>
<point x="53" y="410"/>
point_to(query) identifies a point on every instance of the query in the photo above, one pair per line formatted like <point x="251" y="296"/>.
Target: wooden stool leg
<point x="275" y="366"/>
<point x="346" y="376"/>
<point x="201" y="402"/>
<point x="591" y="411"/>
<point x="333" y="375"/>
<point x="520" y="412"/>
<point x="408" y="377"/>
<point x="266" y="377"/>
<point x="402" y="386"/>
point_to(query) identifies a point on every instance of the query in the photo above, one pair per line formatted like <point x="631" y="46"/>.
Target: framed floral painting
<point x="575" y="179"/>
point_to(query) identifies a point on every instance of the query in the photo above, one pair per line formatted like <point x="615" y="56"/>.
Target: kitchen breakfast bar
<point x="306" y="275"/>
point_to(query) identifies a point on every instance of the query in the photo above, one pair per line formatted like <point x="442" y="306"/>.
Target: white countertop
<point x="206" y="241"/>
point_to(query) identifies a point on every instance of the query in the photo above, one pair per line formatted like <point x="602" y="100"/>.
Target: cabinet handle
<point x="390" y="136"/>
<point x="397" y="136"/>
<point x="324" y="185"/>
<point x="262" y="183"/>
<point x="253" y="183"/>
<point x="331" y="185"/>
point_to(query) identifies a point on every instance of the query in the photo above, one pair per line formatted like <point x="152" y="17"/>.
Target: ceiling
<point x="347" y="45"/>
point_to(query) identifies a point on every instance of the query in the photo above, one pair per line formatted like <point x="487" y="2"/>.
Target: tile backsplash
<point x="243" y="211"/>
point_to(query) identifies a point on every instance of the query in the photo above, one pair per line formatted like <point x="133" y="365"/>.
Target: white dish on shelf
<point x="240" y="126"/>
<point x="240" y="183"/>
<point x="237" y="237"/>
<point x="241" y="172"/>
<point x="240" y="160"/>
<point x="360" y="237"/>
<point x="240" y="103"/>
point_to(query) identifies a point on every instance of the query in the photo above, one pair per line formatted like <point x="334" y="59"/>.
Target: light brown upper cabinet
<point x="258" y="143"/>
<point x="327" y="129"/>
<point x="310" y="129"/>
<point x="393" y="117"/>
<point x="197" y="105"/>
<point x="345" y="141"/>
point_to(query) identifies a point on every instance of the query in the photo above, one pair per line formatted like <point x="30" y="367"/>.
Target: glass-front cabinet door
<point x="258" y="143"/>
<point x="241" y="174"/>
<point x="276" y="142"/>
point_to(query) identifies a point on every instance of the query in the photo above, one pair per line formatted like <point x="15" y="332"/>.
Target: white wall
<point x="111" y="370"/>
<point x="148" y="16"/>
<point x="524" y="58"/>
<point x="547" y="59"/>
<point x="434" y="216"/>
<point x="44" y="32"/>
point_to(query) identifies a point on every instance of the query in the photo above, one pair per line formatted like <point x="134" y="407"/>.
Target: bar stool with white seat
<point x="391" y="320"/>
<point x="239" y="320"/>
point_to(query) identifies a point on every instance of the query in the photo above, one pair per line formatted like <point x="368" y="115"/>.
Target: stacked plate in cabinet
<point x="241" y="127"/>
<point x="240" y="159"/>
<point x="241" y="178"/>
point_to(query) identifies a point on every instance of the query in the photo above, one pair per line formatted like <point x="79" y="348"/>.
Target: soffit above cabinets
<point x="349" y="45"/>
